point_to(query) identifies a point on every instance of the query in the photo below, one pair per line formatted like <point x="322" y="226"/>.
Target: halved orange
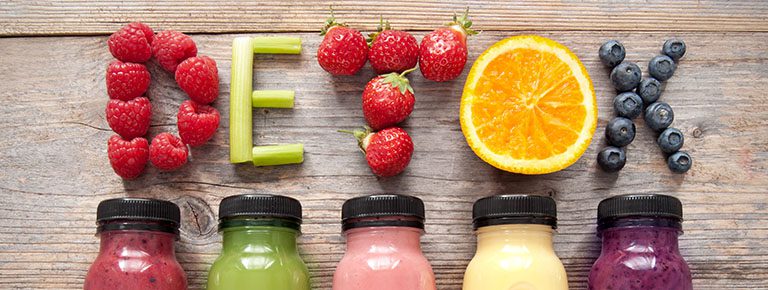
<point x="528" y="106"/>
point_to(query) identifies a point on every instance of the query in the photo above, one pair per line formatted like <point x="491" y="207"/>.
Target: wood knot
<point x="697" y="133"/>
<point x="197" y="218"/>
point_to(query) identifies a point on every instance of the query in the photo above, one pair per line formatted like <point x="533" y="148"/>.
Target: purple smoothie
<point x="640" y="245"/>
<point x="642" y="257"/>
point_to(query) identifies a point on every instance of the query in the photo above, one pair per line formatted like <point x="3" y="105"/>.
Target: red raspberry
<point x="126" y="80"/>
<point x="197" y="123"/>
<point x="128" y="158"/>
<point x="167" y="152"/>
<point x="132" y="42"/>
<point x="171" y="48"/>
<point x="131" y="118"/>
<point x="199" y="78"/>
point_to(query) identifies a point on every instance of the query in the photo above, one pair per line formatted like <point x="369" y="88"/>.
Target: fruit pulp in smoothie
<point x="515" y="257"/>
<point x="384" y="258"/>
<point x="259" y="257"/>
<point x="644" y="258"/>
<point x="136" y="260"/>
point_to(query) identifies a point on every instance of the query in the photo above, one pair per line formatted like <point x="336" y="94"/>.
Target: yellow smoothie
<point x="515" y="252"/>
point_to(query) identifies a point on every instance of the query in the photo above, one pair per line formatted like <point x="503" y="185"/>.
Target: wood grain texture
<point x="54" y="168"/>
<point x="36" y="17"/>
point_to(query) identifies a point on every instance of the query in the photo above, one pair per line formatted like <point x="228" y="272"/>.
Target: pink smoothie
<point x="384" y="258"/>
<point x="136" y="260"/>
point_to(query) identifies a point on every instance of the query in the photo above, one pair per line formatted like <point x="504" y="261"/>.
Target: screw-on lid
<point x="382" y="205"/>
<point x="639" y="205"/>
<point x="260" y="205"/>
<point x="514" y="209"/>
<point x="138" y="209"/>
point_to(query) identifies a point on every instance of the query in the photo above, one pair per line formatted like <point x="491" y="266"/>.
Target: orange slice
<point x="528" y="106"/>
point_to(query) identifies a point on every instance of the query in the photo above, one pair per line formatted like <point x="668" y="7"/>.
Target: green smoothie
<point x="259" y="250"/>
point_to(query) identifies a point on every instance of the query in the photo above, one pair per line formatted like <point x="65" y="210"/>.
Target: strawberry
<point x="388" y="151"/>
<point x="392" y="50"/>
<point x="388" y="100"/>
<point x="443" y="52"/>
<point x="128" y="158"/>
<point x="343" y="50"/>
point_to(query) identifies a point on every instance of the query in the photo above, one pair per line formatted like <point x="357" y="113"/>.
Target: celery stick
<point x="240" y="108"/>
<point x="278" y="154"/>
<point x="273" y="99"/>
<point x="277" y="45"/>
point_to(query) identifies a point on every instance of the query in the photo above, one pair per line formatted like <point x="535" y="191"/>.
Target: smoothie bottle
<point x="136" y="252"/>
<point x="259" y="250"/>
<point x="640" y="251"/>
<point x="514" y="245"/>
<point x="383" y="235"/>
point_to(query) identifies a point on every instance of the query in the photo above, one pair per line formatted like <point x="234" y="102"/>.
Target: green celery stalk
<point x="277" y="45"/>
<point x="240" y="107"/>
<point x="278" y="154"/>
<point x="273" y="99"/>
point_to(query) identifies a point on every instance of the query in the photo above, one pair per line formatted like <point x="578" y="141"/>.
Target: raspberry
<point x="171" y="48"/>
<point x="128" y="158"/>
<point x="126" y="80"/>
<point x="197" y="123"/>
<point x="129" y="119"/>
<point x="199" y="78"/>
<point x="167" y="152"/>
<point x="132" y="42"/>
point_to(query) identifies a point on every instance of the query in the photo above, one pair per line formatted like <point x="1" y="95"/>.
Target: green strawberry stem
<point x="277" y="45"/>
<point x="383" y="25"/>
<point x="240" y="108"/>
<point x="399" y="80"/>
<point x="278" y="154"/>
<point x="363" y="136"/>
<point x="462" y="23"/>
<point x="330" y="23"/>
<point x="273" y="99"/>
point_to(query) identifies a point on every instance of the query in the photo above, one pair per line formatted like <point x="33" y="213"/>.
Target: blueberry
<point x="611" y="159"/>
<point x="620" y="132"/>
<point x="661" y="67"/>
<point x="679" y="162"/>
<point x="628" y="105"/>
<point x="649" y="90"/>
<point x="670" y="140"/>
<point x="625" y="76"/>
<point x="674" y="48"/>
<point x="611" y="53"/>
<point x="658" y="116"/>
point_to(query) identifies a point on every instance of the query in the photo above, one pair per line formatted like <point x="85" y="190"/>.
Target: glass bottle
<point x="640" y="244"/>
<point x="137" y="246"/>
<point x="259" y="245"/>
<point x="383" y="235"/>
<point x="514" y="245"/>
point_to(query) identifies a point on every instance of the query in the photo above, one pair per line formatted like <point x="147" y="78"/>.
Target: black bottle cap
<point x="514" y="209"/>
<point x="383" y="205"/>
<point x="260" y="205"/>
<point x="138" y="209"/>
<point x="135" y="213"/>
<point x="639" y="205"/>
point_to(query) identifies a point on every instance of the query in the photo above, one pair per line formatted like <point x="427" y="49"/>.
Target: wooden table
<point x="54" y="168"/>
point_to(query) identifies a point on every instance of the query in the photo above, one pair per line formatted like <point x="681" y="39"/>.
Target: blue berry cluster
<point x="635" y="93"/>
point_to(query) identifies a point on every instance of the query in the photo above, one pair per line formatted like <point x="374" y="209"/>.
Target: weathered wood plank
<point x="54" y="169"/>
<point x="37" y="17"/>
